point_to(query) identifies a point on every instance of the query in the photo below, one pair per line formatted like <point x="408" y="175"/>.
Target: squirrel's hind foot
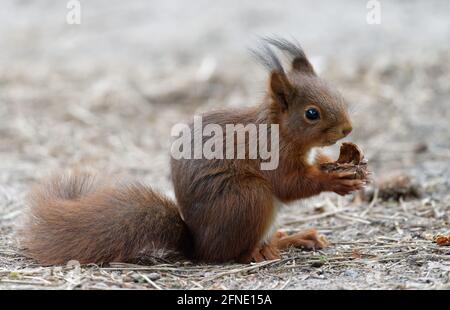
<point x="262" y="253"/>
<point x="307" y="239"/>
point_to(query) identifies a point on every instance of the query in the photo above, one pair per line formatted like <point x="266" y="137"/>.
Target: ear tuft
<point x="299" y="60"/>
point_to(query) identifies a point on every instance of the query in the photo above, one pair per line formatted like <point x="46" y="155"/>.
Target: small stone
<point x="73" y="264"/>
<point x="317" y="264"/>
<point x="351" y="273"/>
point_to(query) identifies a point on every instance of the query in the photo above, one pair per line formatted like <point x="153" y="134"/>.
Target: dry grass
<point x="379" y="250"/>
<point x="113" y="126"/>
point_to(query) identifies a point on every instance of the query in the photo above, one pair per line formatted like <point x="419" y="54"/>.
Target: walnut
<point x="350" y="158"/>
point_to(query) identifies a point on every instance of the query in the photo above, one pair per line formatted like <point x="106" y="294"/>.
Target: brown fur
<point x="76" y="216"/>
<point x="227" y="206"/>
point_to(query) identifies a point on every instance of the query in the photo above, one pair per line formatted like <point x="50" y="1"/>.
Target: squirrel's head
<point x="308" y="110"/>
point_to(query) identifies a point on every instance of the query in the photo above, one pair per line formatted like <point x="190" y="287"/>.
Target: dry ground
<point x="102" y="97"/>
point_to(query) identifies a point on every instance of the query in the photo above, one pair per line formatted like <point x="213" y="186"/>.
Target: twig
<point x="238" y="270"/>
<point x="197" y="284"/>
<point x="316" y="217"/>
<point x="20" y="282"/>
<point x="353" y="218"/>
<point x="150" y="282"/>
<point x="285" y="283"/>
<point x="140" y="268"/>
<point x="372" y="203"/>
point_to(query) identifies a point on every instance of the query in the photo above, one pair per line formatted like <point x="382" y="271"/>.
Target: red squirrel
<point x="225" y="208"/>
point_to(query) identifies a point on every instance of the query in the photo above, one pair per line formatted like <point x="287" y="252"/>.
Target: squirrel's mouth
<point x="330" y="142"/>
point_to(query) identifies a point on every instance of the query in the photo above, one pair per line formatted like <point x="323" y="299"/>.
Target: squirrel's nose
<point x="346" y="130"/>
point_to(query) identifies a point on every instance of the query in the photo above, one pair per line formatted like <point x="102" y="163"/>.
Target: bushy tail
<point x="79" y="217"/>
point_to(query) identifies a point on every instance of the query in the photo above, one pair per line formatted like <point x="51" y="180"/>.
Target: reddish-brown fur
<point x="76" y="216"/>
<point x="226" y="206"/>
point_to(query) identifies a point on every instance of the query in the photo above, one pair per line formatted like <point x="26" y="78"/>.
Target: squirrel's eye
<point x="312" y="114"/>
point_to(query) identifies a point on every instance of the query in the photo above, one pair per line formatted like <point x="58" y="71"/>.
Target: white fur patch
<point x="311" y="156"/>
<point x="277" y="205"/>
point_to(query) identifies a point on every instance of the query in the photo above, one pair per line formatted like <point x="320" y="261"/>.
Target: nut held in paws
<point x="350" y="158"/>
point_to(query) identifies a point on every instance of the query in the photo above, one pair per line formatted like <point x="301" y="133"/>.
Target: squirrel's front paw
<point x="343" y="184"/>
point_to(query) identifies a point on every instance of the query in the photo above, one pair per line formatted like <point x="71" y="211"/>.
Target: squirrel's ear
<point x="280" y="89"/>
<point x="302" y="64"/>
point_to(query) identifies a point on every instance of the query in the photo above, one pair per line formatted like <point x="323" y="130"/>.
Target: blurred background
<point x="104" y="94"/>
